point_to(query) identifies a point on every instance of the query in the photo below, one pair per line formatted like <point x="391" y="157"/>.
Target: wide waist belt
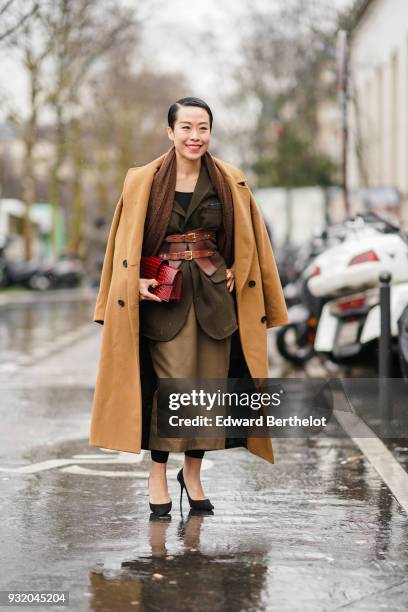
<point x="198" y="244"/>
<point x="192" y="236"/>
<point x="187" y="254"/>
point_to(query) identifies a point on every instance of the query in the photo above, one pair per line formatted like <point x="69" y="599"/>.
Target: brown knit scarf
<point x="161" y="204"/>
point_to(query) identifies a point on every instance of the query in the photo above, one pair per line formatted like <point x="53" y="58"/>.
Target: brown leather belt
<point x="186" y="254"/>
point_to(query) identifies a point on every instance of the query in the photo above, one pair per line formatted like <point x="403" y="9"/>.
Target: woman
<point x="197" y="212"/>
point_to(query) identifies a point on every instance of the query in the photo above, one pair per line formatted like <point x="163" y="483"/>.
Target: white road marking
<point x="77" y="469"/>
<point x="71" y="465"/>
<point x="33" y="468"/>
<point x="382" y="460"/>
<point x="51" y="464"/>
<point x="85" y="456"/>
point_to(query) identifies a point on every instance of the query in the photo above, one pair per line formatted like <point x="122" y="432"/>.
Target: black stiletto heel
<point x="195" y="504"/>
<point x="160" y="509"/>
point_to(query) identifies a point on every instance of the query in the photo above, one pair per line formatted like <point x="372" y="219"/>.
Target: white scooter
<point x="349" y="275"/>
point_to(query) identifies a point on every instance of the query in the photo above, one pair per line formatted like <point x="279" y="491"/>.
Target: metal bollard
<point x="384" y="349"/>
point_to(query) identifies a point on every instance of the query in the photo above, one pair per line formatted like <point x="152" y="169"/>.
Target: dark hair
<point x="172" y="114"/>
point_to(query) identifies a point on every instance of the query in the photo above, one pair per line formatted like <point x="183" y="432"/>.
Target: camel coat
<point x="118" y="415"/>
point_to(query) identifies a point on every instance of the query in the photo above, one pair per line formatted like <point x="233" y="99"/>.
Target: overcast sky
<point x="177" y="23"/>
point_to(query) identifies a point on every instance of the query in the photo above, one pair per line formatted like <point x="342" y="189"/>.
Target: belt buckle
<point x="192" y="235"/>
<point x="189" y="257"/>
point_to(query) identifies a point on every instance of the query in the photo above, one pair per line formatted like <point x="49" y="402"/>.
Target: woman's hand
<point x="229" y="272"/>
<point x="144" y="293"/>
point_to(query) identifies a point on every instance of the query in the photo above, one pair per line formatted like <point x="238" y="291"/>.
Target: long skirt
<point x="190" y="354"/>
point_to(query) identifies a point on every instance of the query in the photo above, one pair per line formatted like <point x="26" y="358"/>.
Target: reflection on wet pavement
<point x="316" y="531"/>
<point x="27" y="327"/>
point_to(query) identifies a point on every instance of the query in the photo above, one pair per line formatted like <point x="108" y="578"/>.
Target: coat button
<point x="263" y="319"/>
<point x="121" y="302"/>
<point x="251" y="283"/>
<point x="124" y="263"/>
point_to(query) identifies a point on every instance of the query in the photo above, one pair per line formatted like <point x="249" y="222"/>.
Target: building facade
<point x="378" y="109"/>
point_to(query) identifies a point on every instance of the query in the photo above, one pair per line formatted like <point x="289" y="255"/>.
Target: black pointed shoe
<point x="160" y="509"/>
<point x="195" y="504"/>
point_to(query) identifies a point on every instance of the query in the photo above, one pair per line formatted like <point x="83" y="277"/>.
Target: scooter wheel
<point x="292" y="344"/>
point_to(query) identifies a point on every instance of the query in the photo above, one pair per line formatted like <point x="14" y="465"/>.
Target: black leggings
<point x="162" y="456"/>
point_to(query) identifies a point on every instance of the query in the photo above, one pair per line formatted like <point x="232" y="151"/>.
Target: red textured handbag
<point x="170" y="280"/>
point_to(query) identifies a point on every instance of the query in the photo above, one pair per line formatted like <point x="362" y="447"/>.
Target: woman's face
<point x="191" y="133"/>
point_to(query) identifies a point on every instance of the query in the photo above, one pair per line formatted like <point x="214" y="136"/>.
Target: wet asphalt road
<point x="319" y="530"/>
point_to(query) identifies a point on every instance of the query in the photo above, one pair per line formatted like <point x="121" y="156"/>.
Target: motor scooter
<point x="347" y="275"/>
<point x="295" y="341"/>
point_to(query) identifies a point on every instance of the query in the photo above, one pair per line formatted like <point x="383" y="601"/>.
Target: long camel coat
<point x="118" y="415"/>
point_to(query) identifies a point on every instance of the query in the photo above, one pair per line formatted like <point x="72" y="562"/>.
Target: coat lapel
<point x="244" y="239"/>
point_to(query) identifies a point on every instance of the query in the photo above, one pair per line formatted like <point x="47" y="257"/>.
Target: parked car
<point x="39" y="274"/>
<point x="64" y="272"/>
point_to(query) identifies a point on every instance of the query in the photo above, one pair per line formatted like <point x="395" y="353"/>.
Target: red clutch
<point x="170" y="279"/>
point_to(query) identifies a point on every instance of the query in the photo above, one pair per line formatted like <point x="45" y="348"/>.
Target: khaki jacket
<point x="118" y="419"/>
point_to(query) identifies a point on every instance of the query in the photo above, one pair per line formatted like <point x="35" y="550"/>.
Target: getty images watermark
<point x="209" y="401"/>
<point x="240" y="407"/>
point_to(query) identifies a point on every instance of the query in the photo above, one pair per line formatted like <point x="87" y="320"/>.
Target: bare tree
<point x="32" y="53"/>
<point x="284" y="48"/>
<point x="108" y="112"/>
<point x="127" y="121"/>
<point x="71" y="25"/>
<point x="14" y="14"/>
<point x="124" y="126"/>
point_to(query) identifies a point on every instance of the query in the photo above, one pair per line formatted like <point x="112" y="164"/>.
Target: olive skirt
<point x="190" y="354"/>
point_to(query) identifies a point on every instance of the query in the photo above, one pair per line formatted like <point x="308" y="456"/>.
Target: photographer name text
<point x="259" y="421"/>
